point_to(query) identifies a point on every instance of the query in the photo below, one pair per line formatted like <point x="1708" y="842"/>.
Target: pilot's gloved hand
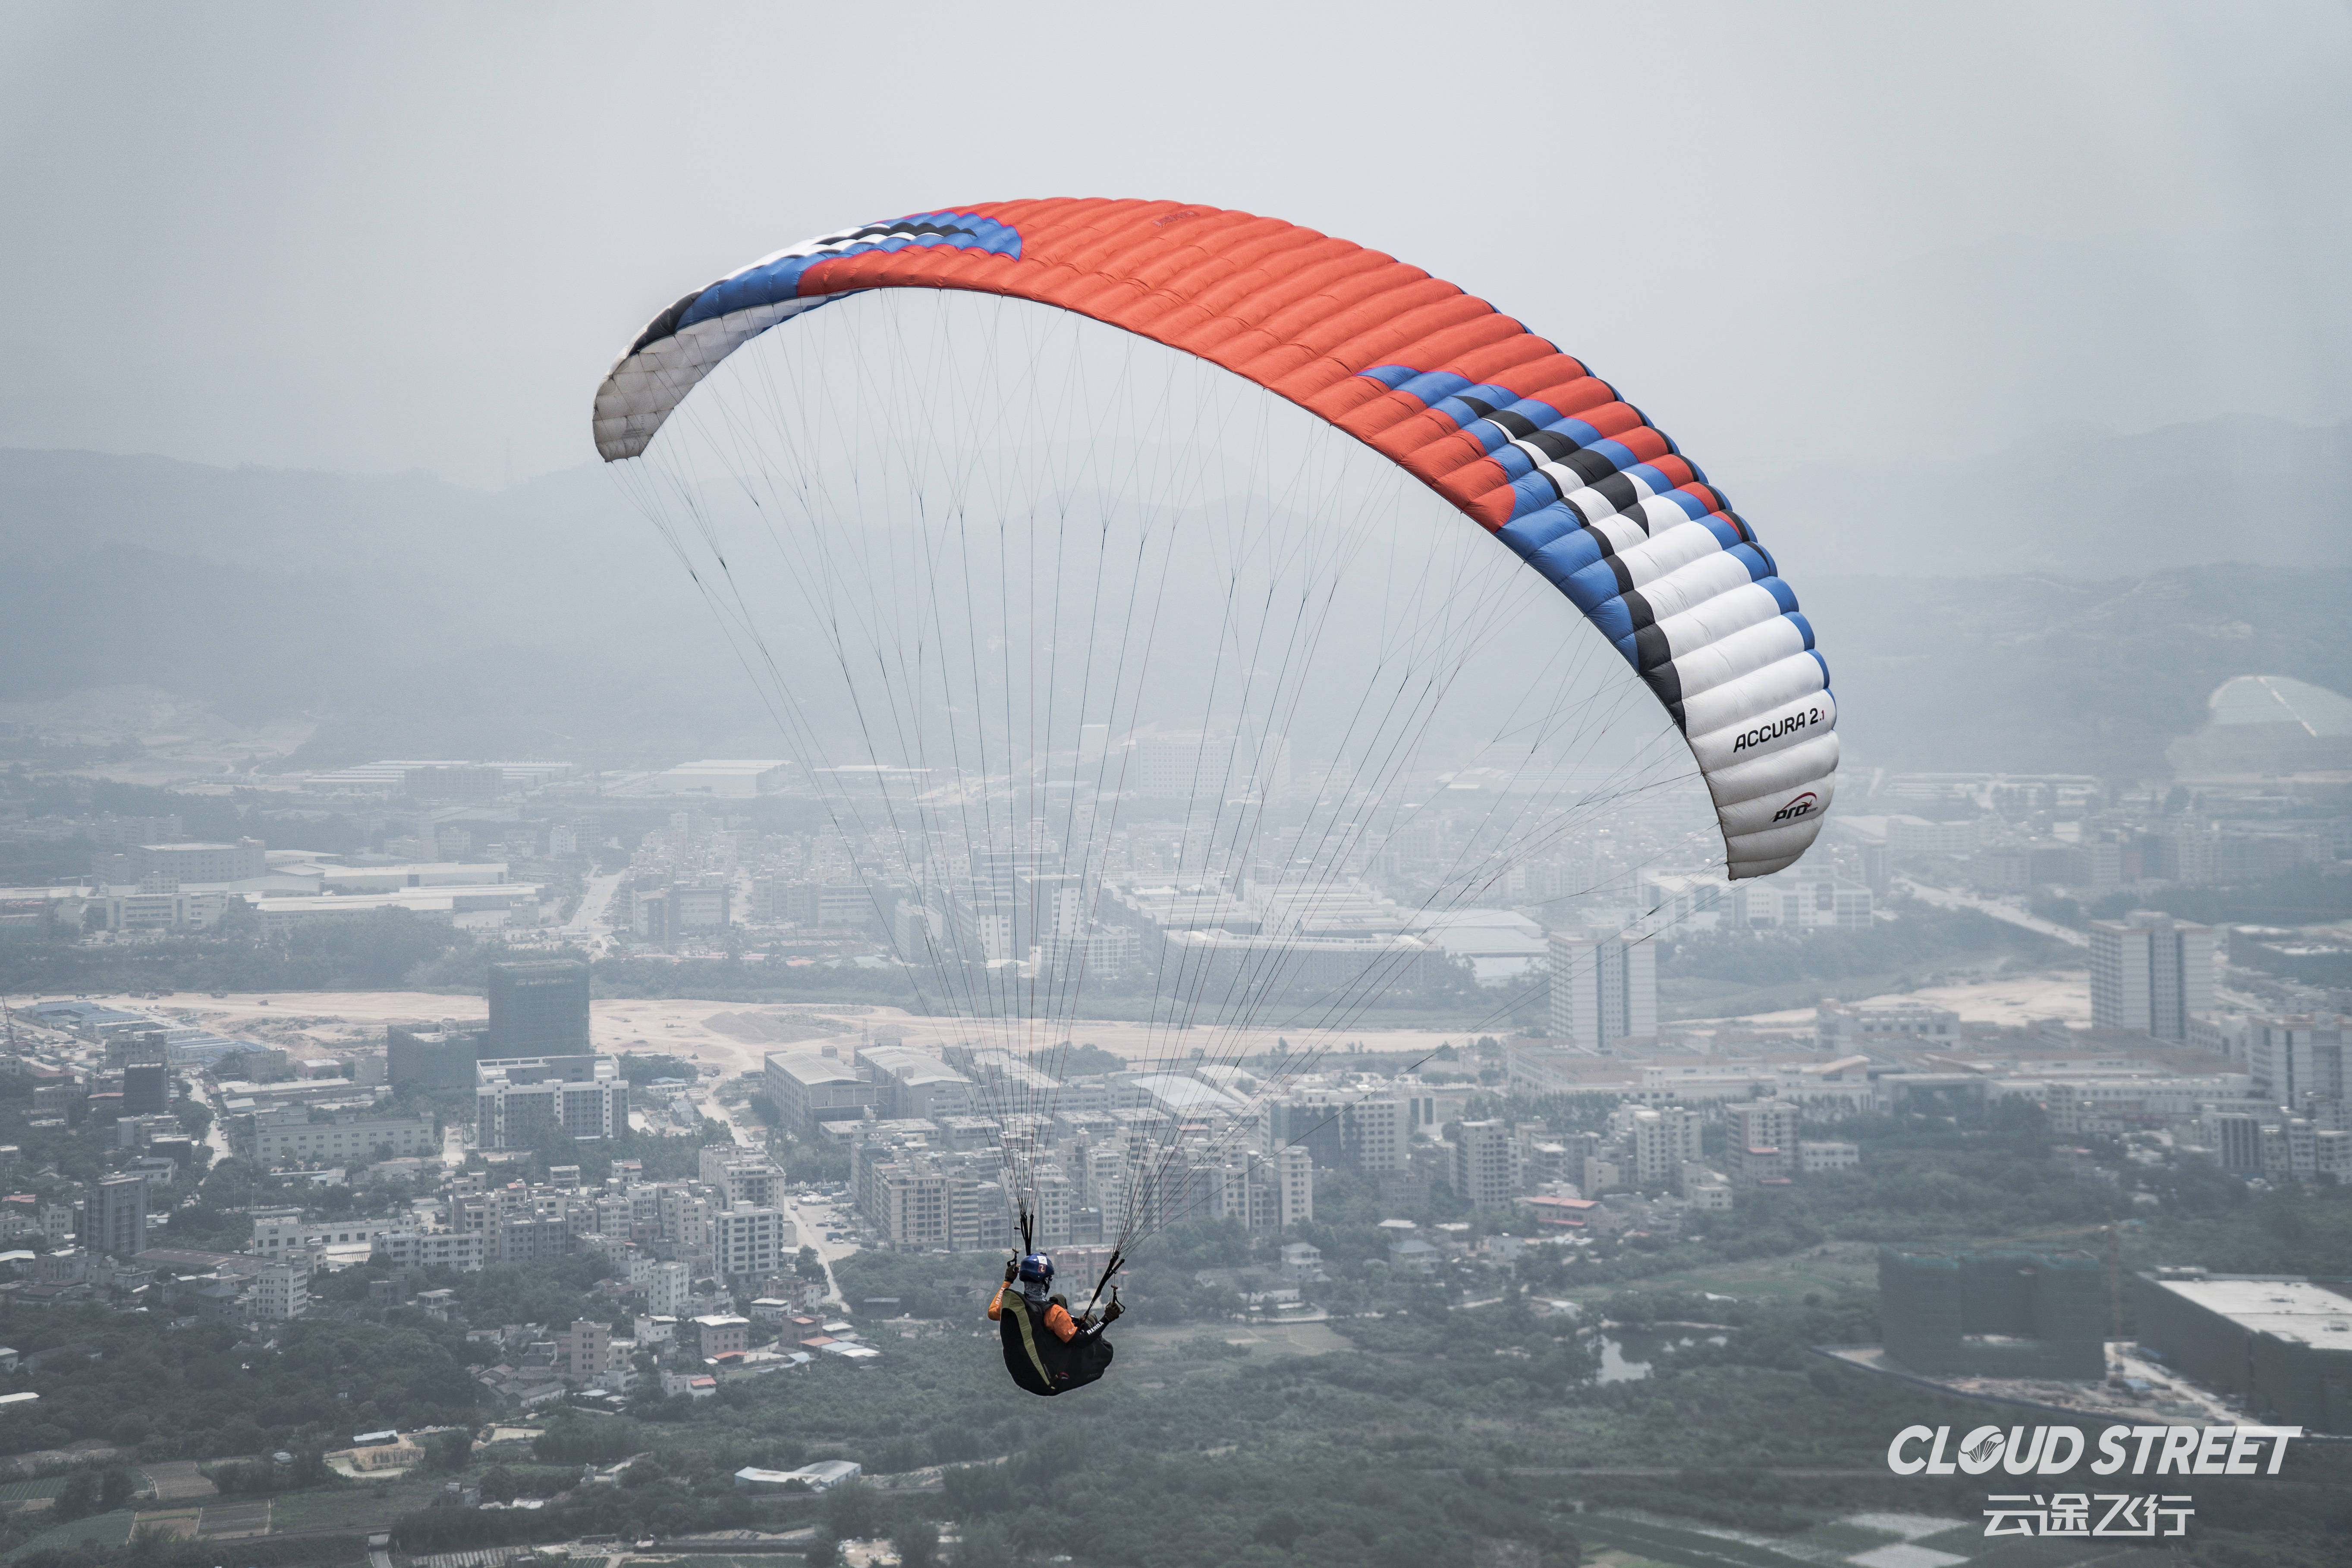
<point x="1012" y="1270"/>
<point x="1113" y="1313"/>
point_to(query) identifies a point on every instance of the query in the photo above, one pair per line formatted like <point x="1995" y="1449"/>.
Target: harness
<point x="1040" y="1362"/>
<point x="1030" y="1332"/>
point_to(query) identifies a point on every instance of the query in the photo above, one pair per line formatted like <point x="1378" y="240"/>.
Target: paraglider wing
<point x="1518" y="436"/>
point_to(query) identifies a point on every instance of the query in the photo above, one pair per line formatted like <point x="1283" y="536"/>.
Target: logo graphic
<point x="1801" y="806"/>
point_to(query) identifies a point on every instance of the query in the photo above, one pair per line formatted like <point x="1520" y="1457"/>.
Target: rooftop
<point x="2297" y="1310"/>
<point x="2275" y="700"/>
<point x="810" y="1068"/>
<point x="1184" y="1094"/>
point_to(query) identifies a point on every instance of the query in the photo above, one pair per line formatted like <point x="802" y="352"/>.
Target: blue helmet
<point x="1037" y="1269"/>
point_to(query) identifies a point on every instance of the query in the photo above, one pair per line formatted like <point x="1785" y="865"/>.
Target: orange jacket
<point x="1058" y="1316"/>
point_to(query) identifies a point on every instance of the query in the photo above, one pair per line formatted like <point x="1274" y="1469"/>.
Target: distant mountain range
<point x="2044" y="674"/>
<point x="2065" y="605"/>
<point x="2075" y="501"/>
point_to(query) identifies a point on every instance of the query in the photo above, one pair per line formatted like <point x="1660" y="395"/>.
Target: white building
<point x="1851" y="1026"/>
<point x="1799" y="899"/>
<point x="160" y="905"/>
<point x="343" y="1142"/>
<point x="281" y="1292"/>
<point x="238" y="862"/>
<point x="742" y="1175"/>
<point x="666" y="1289"/>
<point x="732" y="778"/>
<point x="915" y="1083"/>
<point x="700" y="907"/>
<point x="1916" y="838"/>
<point x="459" y="1251"/>
<point x="1098" y="951"/>
<point x="2290" y="1058"/>
<point x="747" y="1242"/>
<point x="1602" y="990"/>
<point x="2149" y="973"/>
<point x="398" y="878"/>
<point x="1283" y="1191"/>
<point x="279" y="916"/>
<point x="515" y="1096"/>
<point x="808" y="1086"/>
<point x="1486" y="1164"/>
<point x="1685" y="901"/>
<point x="1664" y="1140"/>
<point x="1706" y="1188"/>
<point x="276" y="1232"/>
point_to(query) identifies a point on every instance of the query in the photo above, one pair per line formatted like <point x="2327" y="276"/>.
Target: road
<point x="1944" y="899"/>
<point x="216" y="1132"/>
<point x="587" y="921"/>
<point x="810" y="1231"/>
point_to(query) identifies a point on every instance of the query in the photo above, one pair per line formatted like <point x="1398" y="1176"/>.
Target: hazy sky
<point x="393" y="238"/>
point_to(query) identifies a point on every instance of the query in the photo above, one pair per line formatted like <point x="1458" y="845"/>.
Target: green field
<point x="1848" y="1265"/>
<point x="363" y="1505"/>
<point x="98" y="1530"/>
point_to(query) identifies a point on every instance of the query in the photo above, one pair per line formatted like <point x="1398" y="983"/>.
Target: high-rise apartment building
<point x="1339" y="1129"/>
<point x="748" y="1242"/>
<point x="2297" y="1058"/>
<point x="1051" y="1209"/>
<point x="667" y="1289"/>
<point x="1603" y="989"/>
<point x="1761" y="1144"/>
<point x="2149" y="973"/>
<point x="146" y="1088"/>
<point x="742" y="1175"/>
<point x="538" y="1009"/>
<point x="1664" y="1140"/>
<point x="584" y="1351"/>
<point x="1486" y="1164"/>
<point x="117" y="1216"/>
<point x="1281" y="1190"/>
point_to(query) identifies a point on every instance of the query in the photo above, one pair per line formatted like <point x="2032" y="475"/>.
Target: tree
<point x="984" y="1546"/>
<point x="852" y="1513"/>
<point x="917" y="1543"/>
<point x="448" y="1451"/>
<point x="77" y="1498"/>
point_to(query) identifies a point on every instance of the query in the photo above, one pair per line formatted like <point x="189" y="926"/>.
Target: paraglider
<point x="986" y="517"/>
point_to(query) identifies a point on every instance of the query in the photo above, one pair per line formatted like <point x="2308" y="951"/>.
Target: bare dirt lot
<point x="2010" y="999"/>
<point x="737" y="1039"/>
